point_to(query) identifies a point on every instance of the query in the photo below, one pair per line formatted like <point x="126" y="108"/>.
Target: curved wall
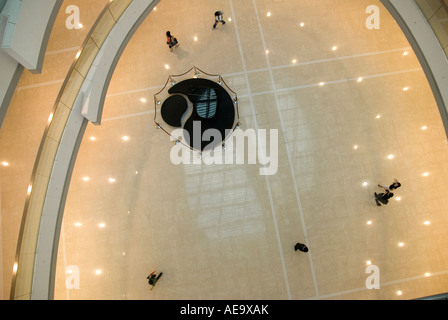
<point x="39" y="235"/>
<point x="427" y="48"/>
<point x="82" y="97"/>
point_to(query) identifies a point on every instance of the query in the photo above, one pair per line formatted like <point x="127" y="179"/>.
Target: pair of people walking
<point x="172" y="42"/>
<point x="383" y="197"/>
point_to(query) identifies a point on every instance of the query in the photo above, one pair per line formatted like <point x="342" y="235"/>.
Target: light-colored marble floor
<point x="352" y="108"/>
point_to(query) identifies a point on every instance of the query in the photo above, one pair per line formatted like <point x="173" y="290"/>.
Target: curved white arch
<point x="426" y="47"/>
<point x="91" y="96"/>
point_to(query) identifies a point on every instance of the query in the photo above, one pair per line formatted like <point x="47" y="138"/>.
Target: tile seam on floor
<point x="225" y="75"/>
<point x="48" y="53"/>
<point x="292" y="171"/>
<point x="129" y="115"/>
<point x="274" y="215"/>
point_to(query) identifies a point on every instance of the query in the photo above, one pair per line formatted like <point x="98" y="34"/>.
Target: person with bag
<point x="171" y="41"/>
<point x="218" y="18"/>
<point x="152" y="278"/>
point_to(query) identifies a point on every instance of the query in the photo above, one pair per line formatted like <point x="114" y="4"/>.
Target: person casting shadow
<point x="300" y="247"/>
<point x="171" y="41"/>
<point x="152" y="278"/>
<point x="218" y="18"/>
<point x="383" y="197"/>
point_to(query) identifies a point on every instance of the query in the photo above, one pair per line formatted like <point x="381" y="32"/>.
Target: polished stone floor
<point x="352" y="109"/>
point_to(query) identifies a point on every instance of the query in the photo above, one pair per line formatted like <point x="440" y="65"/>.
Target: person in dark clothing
<point x="218" y="18"/>
<point x="383" y="197"/>
<point x="393" y="186"/>
<point x="300" y="247"/>
<point x="171" y="41"/>
<point x="152" y="278"/>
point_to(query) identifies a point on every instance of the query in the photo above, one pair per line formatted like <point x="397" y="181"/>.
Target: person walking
<point x="393" y="186"/>
<point x="218" y="18"/>
<point x="171" y="41"/>
<point x="300" y="247"/>
<point x="152" y="278"/>
<point x="383" y="197"/>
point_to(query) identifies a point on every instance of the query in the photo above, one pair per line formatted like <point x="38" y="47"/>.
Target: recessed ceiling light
<point x="405" y="88"/>
<point x="50" y="117"/>
<point x="268" y="14"/>
<point x="92" y="138"/>
<point x="302" y="24"/>
<point x="334" y="48"/>
<point x="399" y="293"/>
<point x="98" y="271"/>
<point x="142" y="99"/>
<point x="266" y="51"/>
<point x="321" y="84"/>
<point x="355" y="147"/>
<point x="360" y="79"/>
<point x="424" y="127"/>
<point x="369" y="222"/>
<point x="230" y="19"/>
<point x="365" y="184"/>
<point x="378" y="116"/>
<point x="391" y="156"/>
<point x="167" y="66"/>
<point x="85" y="178"/>
<point x="398" y="198"/>
<point x="294" y="61"/>
<point x="425" y="174"/>
<point x="125" y="138"/>
<point x="427" y="223"/>
<point x="195" y="38"/>
<point x="405" y="53"/>
<point x="78" y="54"/>
<point x="78" y="224"/>
<point x="80" y="25"/>
<point x="401" y="244"/>
<point x="101" y="225"/>
<point x="111" y="180"/>
<point x="5" y="164"/>
<point x="427" y="274"/>
<point x="368" y="262"/>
